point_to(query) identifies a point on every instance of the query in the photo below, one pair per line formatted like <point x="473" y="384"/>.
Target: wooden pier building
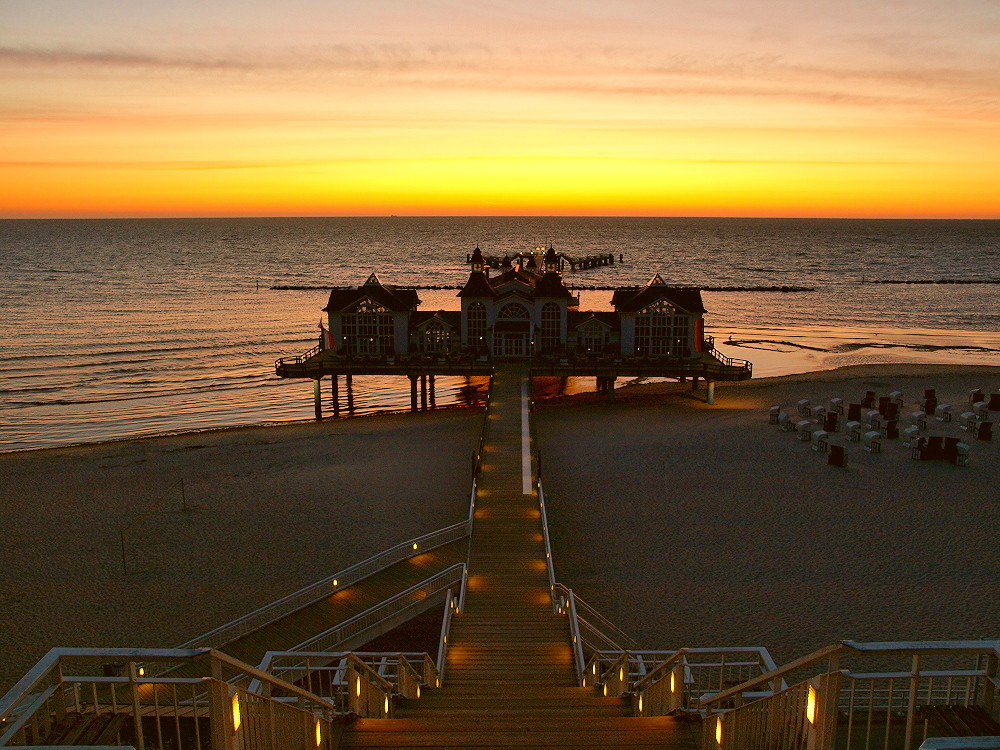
<point x="656" y="330"/>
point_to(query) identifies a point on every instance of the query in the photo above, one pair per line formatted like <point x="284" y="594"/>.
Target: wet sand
<point x="685" y="524"/>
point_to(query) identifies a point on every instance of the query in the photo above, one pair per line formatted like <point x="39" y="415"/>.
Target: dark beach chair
<point x="892" y="410"/>
<point x="950" y="452"/>
<point x="854" y="412"/>
<point x="930" y="393"/>
<point x="935" y="447"/>
<point x="984" y="431"/>
<point x="976" y="395"/>
<point x="883" y="405"/>
<point x="995" y="402"/>
<point x="837" y="456"/>
<point x="869" y="400"/>
<point x="830" y="422"/>
<point x="929" y="405"/>
<point x="891" y="429"/>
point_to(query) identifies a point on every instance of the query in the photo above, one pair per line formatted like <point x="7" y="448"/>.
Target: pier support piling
<point x="694" y="383"/>
<point x="710" y="394"/>
<point x="335" y="392"/>
<point x="350" y="394"/>
<point x="611" y="388"/>
<point x="430" y="379"/>
<point x="423" y="393"/>
<point x="317" y="401"/>
<point x="413" y="392"/>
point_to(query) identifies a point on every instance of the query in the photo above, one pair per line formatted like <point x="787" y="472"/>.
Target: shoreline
<point x="629" y="385"/>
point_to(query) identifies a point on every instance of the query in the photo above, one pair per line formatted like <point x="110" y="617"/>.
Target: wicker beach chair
<point x="943" y="413"/>
<point x="873" y="441"/>
<point x="820" y="440"/>
<point x="837" y="456"/>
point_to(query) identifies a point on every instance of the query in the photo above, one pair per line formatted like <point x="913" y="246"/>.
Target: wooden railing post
<point x="220" y="714"/>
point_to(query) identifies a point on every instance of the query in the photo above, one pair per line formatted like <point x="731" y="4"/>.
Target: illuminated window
<point x="476" y="321"/>
<point x="437" y="338"/>
<point x="659" y="331"/>
<point x="514" y="311"/>
<point x="591" y="337"/>
<point x="550" y="336"/>
<point x="369" y="329"/>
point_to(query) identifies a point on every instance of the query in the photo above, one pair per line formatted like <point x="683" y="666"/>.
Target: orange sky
<point x="641" y="107"/>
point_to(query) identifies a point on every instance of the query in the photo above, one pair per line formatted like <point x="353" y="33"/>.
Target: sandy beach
<point x="272" y="509"/>
<point x="687" y="524"/>
<point x="697" y="525"/>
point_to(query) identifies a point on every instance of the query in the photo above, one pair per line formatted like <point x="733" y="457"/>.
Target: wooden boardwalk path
<point x="510" y="679"/>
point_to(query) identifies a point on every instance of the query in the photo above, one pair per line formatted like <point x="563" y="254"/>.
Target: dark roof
<point x="577" y="318"/>
<point x="525" y="277"/>
<point x="551" y="285"/>
<point x="633" y="299"/>
<point x="477" y="286"/>
<point x="477" y="256"/>
<point x="450" y="317"/>
<point x="391" y="298"/>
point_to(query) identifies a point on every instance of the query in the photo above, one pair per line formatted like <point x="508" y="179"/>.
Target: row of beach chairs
<point x="875" y="418"/>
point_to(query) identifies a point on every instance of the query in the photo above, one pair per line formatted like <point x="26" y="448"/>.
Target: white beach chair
<point x="896" y="397"/>
<point x="772" y="414"/>
<point x="820" y="441"/>
<point x="804" y="407"/>
<point x="919" y="419"/>
<point x="976" y="396"/>
<point x="873" y="418"/>
<point x="786" y="424"/>
<point x="873" y="441"/>
<point x="818" y="411"/>
<point x="981" y="410"/>
<point x="967" y="421"/>
<point x="837" y="405"/>
<point x="805" y="428"/>
<point x="910" y="435"/>
<point x="943" y="413"/>
<point x="962" y="459"/>
<point x="853" y="430"/>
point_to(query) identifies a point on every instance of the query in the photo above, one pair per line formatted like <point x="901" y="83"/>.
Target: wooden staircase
<point x="510" y="680"/>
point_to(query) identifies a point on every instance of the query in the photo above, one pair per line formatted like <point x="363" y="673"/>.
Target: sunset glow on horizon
<point x="448" y="107"/>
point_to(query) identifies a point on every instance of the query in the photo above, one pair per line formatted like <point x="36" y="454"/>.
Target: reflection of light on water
<point x="790" y="350"/>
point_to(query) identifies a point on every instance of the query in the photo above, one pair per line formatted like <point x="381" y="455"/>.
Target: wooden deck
<point x="510" y="679"/>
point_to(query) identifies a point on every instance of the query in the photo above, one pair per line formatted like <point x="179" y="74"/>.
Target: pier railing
<point x="106" y="696"/>
<point x="900" y="694"/>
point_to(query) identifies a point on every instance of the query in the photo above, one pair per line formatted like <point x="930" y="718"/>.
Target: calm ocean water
<point x="120" y="328"/>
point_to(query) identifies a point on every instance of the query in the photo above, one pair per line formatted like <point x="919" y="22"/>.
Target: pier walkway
<point x="510" y="679"/>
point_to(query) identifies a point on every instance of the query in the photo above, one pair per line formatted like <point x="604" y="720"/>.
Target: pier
<point x="534" y="260"/>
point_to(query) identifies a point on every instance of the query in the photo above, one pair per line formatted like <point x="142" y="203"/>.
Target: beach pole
<point x="335" y="392"/>
<point x="350" y="394"/>
<point x="430" y="379"/>
<point x="423" y="392"/>
<point x="317" y="401"/>
<point x="710" y="394"/>
<point x="413" y="392"/>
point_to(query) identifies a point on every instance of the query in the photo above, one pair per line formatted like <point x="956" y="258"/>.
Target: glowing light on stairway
<point x="418" y="692"/>
<point x="357" y="687"/>
<point x="718" y="731"/>
<point x="605" y="690"/>
<point x="673" y="683"/>
<point x="811" y="705"/>
<point x="319" y="733"/>
<point x="414" y="545"/>
<point x="640" y="703"/>
<point x="386" y="704"/>
<point x="237" y="719"/>
<point x="621" y="674"/>
<point x="335" y="583"/>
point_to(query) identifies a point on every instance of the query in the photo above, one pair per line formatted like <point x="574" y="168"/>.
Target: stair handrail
<point x="297" y="359"/>
<point x="317" y="591"/>
<point x="355" y="625"/>
<point x="832" y="652"/>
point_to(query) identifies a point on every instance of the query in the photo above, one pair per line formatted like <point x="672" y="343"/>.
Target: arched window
<point x="514" y="311"/>
<point x="437" y="338"/>
<point x="551" y="329"/>
<point x="369" y="329"/>
<point x="591" y="337"/>
<point x="476" y="323"/>
<point x="660" y="330"/>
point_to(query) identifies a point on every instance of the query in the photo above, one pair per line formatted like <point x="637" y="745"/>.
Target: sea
<point x="116" y="329"/>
